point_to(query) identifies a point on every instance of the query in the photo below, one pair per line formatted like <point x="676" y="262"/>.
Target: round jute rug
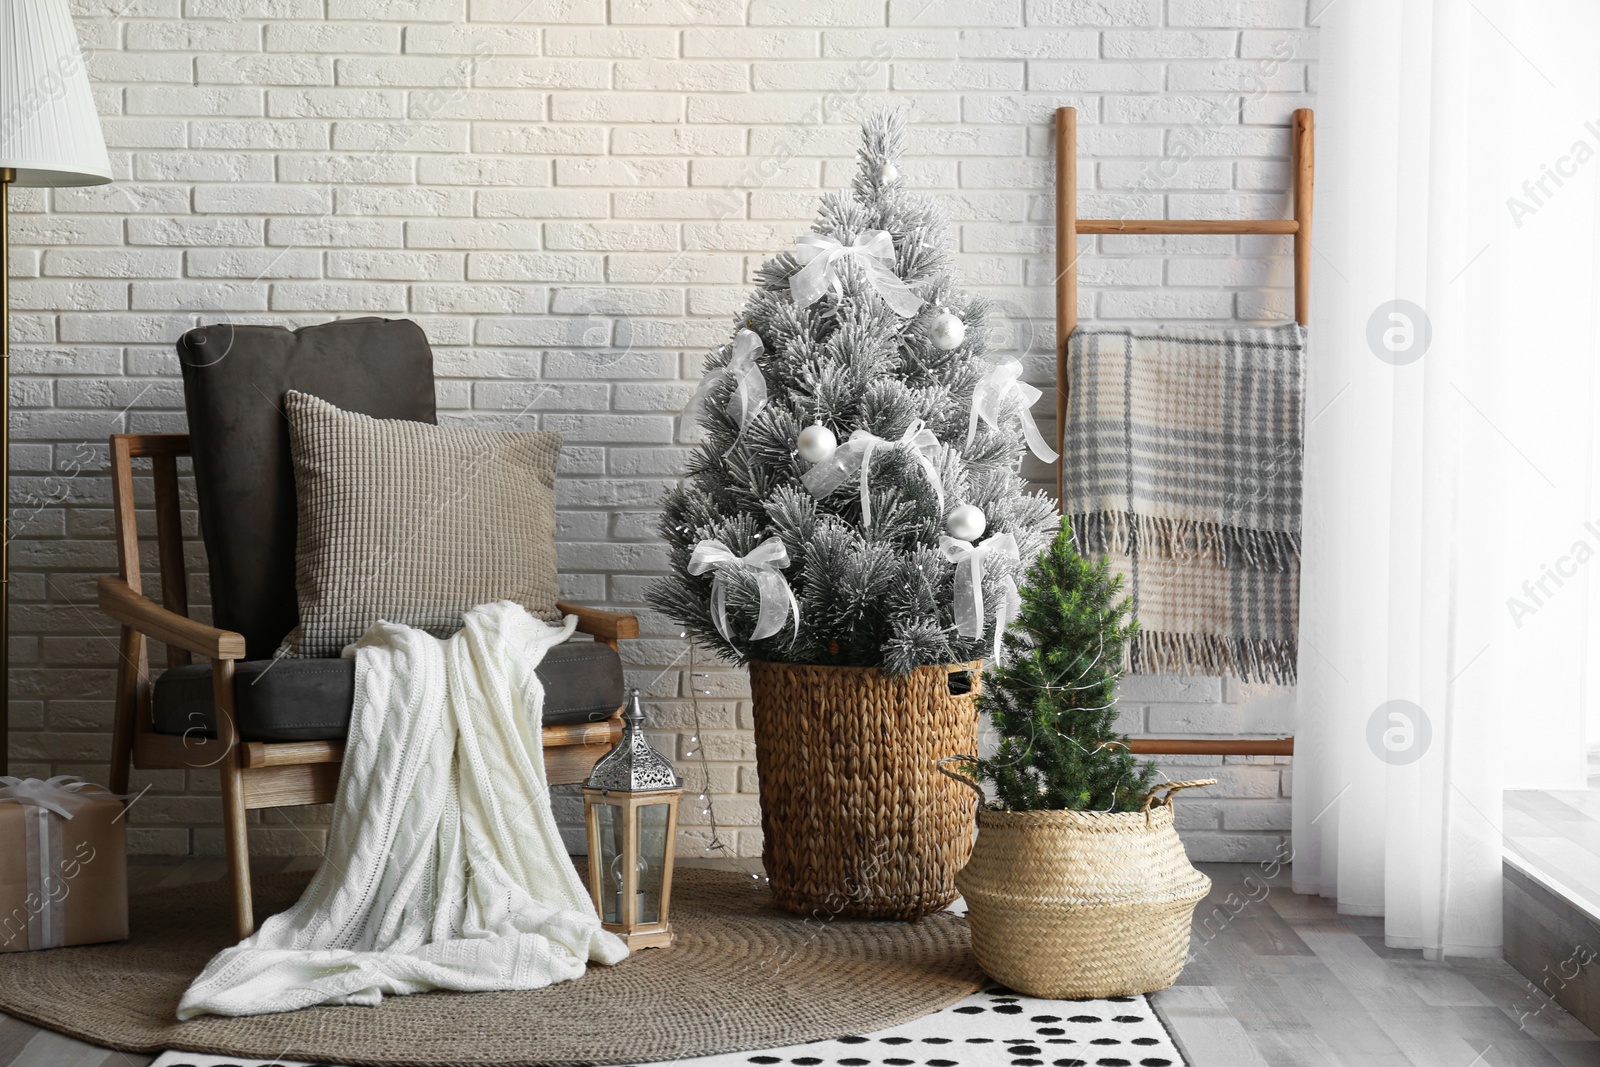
<point x="741" y="975"/>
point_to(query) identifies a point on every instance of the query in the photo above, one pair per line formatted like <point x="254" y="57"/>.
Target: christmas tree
<point x="855" y="500"/>
<point x="1053" y="700"/>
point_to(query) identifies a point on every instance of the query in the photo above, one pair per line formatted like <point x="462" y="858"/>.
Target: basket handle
<point x="963" y="779"/>
<point x="1151" y="800"/>
<point x="974" y="673"/>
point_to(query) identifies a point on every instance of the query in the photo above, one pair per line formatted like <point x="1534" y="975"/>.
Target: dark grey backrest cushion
<point x="234" y="378"/>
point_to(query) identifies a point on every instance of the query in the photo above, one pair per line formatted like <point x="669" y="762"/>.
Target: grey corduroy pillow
<point x="415" y="523"/>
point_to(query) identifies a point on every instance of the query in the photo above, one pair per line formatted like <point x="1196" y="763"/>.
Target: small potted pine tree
<point x="1078" y="885"/>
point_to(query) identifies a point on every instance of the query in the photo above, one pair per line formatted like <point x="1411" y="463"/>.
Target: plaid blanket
<point x="1182" y="464"/>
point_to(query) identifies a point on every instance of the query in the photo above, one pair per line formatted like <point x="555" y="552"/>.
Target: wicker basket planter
<point x="857" y="819"/>
<point x="1072" y="904"/>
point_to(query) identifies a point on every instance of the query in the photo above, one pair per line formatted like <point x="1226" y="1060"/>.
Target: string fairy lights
<point x="706" y="794"/>
<point x="1073" y="687"/>
<point x="716" y="844"/>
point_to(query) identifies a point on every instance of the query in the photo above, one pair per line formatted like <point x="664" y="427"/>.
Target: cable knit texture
<point x="444" y="867"/>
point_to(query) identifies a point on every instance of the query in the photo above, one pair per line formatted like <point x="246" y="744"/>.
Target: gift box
<point x="63" y="864"/>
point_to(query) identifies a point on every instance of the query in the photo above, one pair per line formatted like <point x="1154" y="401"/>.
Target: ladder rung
<point x="1196" y="746"/>
<point x="1193" y="226"/>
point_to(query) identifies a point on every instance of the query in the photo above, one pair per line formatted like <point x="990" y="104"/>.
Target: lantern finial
<point x="634" y="716"/>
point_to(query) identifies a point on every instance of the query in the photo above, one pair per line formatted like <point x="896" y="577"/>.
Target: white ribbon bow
<point x="854" y="458"/>
<point x="819" y="257"/>
<point x="765" y="563"/>
<point x="749" y="384"/>
<point x="988" y="403"/>
<point x="968" y="559"/>
<point x="62" y="795"/>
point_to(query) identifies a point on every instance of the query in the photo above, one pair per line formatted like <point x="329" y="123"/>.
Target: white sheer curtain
<point x="1447" y="576"/>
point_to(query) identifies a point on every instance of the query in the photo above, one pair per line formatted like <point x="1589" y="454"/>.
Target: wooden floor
<point x="1281" y="981"/>
<point x="1287" y="981"/>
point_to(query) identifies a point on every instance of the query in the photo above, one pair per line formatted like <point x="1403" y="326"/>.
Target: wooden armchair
<point x="270" y="745"/>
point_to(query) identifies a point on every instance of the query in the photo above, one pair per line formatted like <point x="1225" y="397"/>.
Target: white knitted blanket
<point x="444" y="868"/>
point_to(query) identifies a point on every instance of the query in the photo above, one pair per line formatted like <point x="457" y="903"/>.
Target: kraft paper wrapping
<point x="63" y="881"/>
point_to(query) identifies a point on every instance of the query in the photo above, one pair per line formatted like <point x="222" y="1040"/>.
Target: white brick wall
<point x="571" y="203"/>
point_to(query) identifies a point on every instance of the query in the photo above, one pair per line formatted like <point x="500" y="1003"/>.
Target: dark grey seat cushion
<point x="310" y="699"/>
<point x="234" y="378"/>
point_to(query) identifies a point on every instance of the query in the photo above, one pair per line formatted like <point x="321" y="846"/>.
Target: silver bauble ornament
<point x="966" y="522"/>
<point x="947" y="331"/>
<point x="887" y="173"/>
<point x="816" y="443"/>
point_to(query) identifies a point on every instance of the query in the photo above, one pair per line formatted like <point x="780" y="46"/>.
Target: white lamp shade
<point x="49" y="130"/>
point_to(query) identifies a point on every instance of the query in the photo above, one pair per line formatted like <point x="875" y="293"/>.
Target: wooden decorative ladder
<point x="1069" y="226"/>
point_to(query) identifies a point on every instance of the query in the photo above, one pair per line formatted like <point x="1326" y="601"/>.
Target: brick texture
<point x="571" y="198"/>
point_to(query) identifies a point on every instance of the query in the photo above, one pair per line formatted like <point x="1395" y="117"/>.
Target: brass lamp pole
<point x="49" y="136"/>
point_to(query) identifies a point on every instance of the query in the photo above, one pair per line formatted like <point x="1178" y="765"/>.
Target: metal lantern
<point x="630" y="806"/>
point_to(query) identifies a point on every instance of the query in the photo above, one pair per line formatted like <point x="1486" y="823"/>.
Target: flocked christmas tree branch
<point x="868" y="362"/>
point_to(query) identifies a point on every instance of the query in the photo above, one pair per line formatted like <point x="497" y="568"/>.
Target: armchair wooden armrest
<point x="607" y="626"/>
<point x="118" y="600"/>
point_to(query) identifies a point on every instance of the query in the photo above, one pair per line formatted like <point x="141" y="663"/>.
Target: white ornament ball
<point x="947" y="331"/>
<point x="887" y="173"/>
<point x="816" y="443"/>
<point x="966" y="522"/>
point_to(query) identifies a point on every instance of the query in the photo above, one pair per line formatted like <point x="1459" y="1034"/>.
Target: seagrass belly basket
<point x="856" y="818"/>
<point x="1076" y="904"/>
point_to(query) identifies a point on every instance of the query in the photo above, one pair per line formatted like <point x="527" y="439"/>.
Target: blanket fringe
<point x="1248" y="659"/>
<point x="1118" y="533"/>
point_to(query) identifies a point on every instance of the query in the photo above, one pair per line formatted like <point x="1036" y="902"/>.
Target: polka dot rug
<point x="991" y="1028"/>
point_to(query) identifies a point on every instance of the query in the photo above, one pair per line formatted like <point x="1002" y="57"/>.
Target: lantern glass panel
<point x="609" y="820"/>
<point x="652" y="860"/>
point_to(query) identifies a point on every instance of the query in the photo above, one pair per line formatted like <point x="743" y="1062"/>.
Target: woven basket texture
<point x="857" y="819"/>
<point x="1071" y="904"/>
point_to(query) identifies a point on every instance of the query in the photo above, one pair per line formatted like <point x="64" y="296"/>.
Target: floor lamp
<point x="49" y="136"/>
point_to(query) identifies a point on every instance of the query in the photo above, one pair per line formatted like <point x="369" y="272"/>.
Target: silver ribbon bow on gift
<point x="42" y="844"/>
<point x="820" y="255"/>
<point x="765" y="564"/>
<point x="968" y="559"/>
<point x="749" y="384"/>
<point x="62" y="795"/>
<point x="854" y="459"/>
<point x="989" y="398"/>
